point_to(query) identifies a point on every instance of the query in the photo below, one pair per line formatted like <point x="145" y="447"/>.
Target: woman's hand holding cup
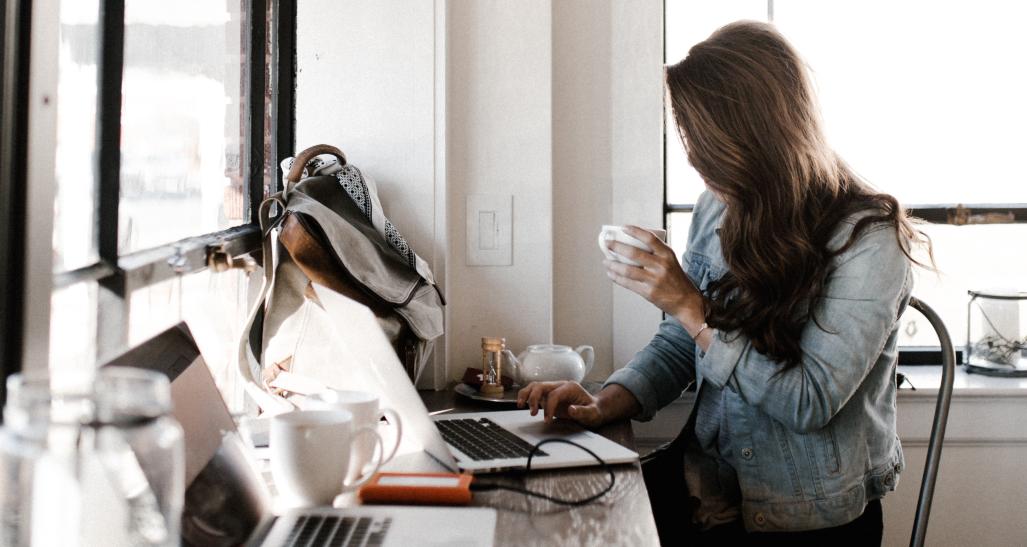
<point x="655" y="275"/>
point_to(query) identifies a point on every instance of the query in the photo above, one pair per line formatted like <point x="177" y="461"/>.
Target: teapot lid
<point x="551" y="348"/>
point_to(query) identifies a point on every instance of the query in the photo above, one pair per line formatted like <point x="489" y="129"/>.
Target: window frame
<point x="15" y="25"/>
<point x="117" y="275"/>
<point x="956" y="214"/>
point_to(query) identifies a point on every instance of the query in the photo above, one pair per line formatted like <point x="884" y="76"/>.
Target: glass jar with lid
<point x="99" y="453"/>
<point x="996" y="333"/>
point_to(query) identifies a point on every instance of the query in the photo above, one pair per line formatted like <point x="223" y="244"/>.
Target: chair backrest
<point x="941" y="416"/>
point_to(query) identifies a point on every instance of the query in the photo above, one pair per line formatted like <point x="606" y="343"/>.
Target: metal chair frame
<point x="941" y="416"/>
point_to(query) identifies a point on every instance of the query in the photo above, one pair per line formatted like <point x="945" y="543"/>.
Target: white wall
<point x="582" y="177"/>
<point x="607" y="165"/>
<point x="366" y="84"/>
<point x="637" y="159"/>
<point x="557" y="104"/>
<point x="499" y="141"/>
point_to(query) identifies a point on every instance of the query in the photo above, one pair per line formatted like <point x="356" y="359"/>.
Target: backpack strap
<point x="295" y="173"/>
<point x="249" y="361"/>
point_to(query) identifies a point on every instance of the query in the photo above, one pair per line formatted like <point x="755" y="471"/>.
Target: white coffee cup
<point x="310" y="455"/>
<point x="366" y="413"/>
<point x="617" y="233"/>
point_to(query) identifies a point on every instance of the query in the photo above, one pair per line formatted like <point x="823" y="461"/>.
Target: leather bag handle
<point x="310" y="153"/>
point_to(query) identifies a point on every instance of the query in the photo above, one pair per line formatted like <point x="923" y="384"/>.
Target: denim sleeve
<point x="862" y="301"/>
<point x="660" y="371"/>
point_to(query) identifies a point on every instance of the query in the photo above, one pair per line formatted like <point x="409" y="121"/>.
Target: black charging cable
<point x="478" y="486"/>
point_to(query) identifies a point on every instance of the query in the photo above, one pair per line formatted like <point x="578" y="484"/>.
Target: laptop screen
<point x="225" y="498"/>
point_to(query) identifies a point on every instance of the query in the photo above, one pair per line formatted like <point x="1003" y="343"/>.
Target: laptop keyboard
<point x="337" y="531"/>
<point x="482" y="439"/>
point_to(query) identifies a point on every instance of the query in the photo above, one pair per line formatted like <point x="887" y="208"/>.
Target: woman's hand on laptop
<point x="563" y="400"/>
<point x="569" y="401"/>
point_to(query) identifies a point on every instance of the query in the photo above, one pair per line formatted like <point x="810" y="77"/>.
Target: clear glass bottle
<point x="18" y="454"/>
<point x="101" y="455"/>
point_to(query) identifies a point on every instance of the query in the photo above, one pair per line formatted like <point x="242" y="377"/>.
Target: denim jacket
<point x="816" y="442"/>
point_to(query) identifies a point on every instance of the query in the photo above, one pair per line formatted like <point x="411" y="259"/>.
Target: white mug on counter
<point x="366" y="413"/>
<point x="617" y="233"/>
<point x="310" y="455"/>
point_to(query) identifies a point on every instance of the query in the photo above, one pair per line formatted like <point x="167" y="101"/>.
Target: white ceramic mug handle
<point x="394" y="419"/>
<point x="588" y="353"/>
<point x="366" y="430"/>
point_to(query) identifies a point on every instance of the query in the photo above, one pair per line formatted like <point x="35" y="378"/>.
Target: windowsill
<point x="928" y="378"/>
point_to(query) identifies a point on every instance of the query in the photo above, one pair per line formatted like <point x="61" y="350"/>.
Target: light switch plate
<point x="489" y="230"/>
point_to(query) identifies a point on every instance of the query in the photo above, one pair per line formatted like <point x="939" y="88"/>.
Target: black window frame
<point x="118" y="275"/>
<point x="955" y="214"/>
<point x="15" y="25"/>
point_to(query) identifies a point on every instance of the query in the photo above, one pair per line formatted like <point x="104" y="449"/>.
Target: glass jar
<point x="996" y="335"/>
<point x="18" y="454"/>
<point x="108" y="461"/>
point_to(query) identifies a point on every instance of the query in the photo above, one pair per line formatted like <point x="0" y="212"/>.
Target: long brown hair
<point x="750" y="124"/>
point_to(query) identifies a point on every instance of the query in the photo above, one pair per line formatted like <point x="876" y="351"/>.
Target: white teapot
<point x="547" y="362"/>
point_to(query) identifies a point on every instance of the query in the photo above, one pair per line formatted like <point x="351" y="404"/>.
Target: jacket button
<point x="760" y="519"/>
<point x="889" y="478"/>
<point x="747" y="453"/>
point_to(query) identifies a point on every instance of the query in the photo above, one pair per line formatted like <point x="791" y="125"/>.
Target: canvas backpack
<point x="327" y="227"/>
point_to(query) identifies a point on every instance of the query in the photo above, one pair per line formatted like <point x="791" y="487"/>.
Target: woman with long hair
<point x="785" y="311"/>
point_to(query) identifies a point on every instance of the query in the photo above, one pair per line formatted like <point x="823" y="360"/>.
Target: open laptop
<point x="227" y="501"/>
<point x="476" y="442"/>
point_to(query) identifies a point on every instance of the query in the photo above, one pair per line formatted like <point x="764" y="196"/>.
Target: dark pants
<point x="668" y="496"/>
<point x="865" y="530"/>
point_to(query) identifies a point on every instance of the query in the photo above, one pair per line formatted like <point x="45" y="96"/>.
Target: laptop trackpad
<point x="562" y="429"/>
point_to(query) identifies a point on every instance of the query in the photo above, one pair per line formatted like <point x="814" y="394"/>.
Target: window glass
<point x="926" y="102"/>
<point x="686" y="24"/>
<point x="183" y="120"/>
<point x="969" y="258"/>
<point x="74" y="239"/>
<point x="677" y="231"/>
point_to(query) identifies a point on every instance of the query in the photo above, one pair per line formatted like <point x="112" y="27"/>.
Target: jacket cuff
<point x="639" y="386"/>
<point x="721" y="358"/>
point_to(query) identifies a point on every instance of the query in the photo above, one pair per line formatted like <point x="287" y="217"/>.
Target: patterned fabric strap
<point x="365" y="196"/>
